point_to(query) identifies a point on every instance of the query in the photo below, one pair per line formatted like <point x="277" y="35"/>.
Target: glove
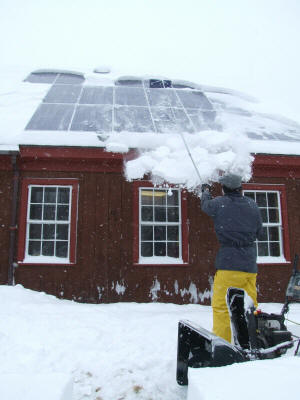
<point x="205" y="187"/>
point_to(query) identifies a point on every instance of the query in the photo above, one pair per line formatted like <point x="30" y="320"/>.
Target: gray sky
<point x="247" y="45"/>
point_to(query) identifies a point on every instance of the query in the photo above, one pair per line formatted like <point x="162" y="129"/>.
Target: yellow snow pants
<point x="222" y="281"/>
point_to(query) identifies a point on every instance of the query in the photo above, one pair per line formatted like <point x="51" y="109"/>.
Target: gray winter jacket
<point x="238" y="223"/>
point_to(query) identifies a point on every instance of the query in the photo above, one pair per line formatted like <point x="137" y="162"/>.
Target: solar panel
<point x="194" y="99"/>
<point x="92" y="118"/>
<point x="164" y="119"/>
<point x="133" y="104"/>
<point x="133" y="119"/>
<point x="51" y="117"/>
<point x="130" y="96"/>
<point x="96" y="95"/>
<point x="162" y="98"/>
<point x="63" y="94"/>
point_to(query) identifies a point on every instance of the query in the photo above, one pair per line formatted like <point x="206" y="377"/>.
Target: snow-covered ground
<point x="121" y="351"/>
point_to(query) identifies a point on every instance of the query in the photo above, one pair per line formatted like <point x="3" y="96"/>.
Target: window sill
<point x="45" y="261"/>
<point x="272" y="261"/>
<point x="160" y="261"/>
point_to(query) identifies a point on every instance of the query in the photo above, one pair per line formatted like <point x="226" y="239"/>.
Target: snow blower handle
<point x="292" y="291"/>
<point x="295" y="265"/>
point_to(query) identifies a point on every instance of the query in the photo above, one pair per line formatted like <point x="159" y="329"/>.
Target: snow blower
<point x="256" y="335"/>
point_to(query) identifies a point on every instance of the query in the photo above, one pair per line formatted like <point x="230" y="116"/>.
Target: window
<point x="161" y="226"/>
<point x="273" y="245"/>
<point x="48" y="221"/>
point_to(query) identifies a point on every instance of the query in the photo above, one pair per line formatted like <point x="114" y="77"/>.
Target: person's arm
<point x="208" y="205"/>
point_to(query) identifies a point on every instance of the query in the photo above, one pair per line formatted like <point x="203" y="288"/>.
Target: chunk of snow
<point x="212" y="151"/>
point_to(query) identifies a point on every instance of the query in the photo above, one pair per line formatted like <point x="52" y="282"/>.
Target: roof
<point x="104" y="108"/>
<point x="48" y="106"/>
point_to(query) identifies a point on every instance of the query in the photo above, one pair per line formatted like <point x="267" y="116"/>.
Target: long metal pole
<point x="190" y="155"/>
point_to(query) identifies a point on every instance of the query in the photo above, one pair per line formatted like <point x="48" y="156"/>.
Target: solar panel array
<point x="132" y="104"/>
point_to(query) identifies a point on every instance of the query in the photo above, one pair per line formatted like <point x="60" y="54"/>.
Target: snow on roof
<point x="105" y="108"/>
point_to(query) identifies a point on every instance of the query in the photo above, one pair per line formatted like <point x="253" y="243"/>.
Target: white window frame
<point x="160" y="259"/>
<point x="42" y="258"/>
<point x="279" y="224"/>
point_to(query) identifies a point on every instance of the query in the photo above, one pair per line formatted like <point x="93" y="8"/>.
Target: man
<point x="237" y="223"/>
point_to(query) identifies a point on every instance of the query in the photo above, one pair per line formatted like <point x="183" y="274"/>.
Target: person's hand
<point x="205" y="187"/>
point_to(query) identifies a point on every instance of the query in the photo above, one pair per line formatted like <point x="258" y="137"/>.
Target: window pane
<point x="63" y="195"/>
<point x="147" y="232"/>
<point x="263" y="249"/>
<point x="264" y="214"/>
<point x="50" y="195"/>
<point x="62" y="213"/>
<point x="173" y="249"/>
<point x="147" y="249"/>
<point x="173" y="233"/>
<point x="274" y="249"/>
<point x="173" y="214"/>
<point x="160" y="214"/>
<point x="272" y="200"/>
<point x="48" y="248"/>
<point x="49" y="212"/>
<point x="274" y="233"/>
<point x="160" y="249"/>
<point x="62" y="231"/>
<point x="36" y="195"/>
<point x="173" y="198"/>
<point x="34" y="248"/>
<point x="273" y="215"/>
<point x="61" y="249"/>
<point x="35" y="212"/>
<point x="160" y="197"/>
<point x="261" y="199"/>
<point x="147" y="197"/>
<point x="147" y="214"/>
<point x="159" y="233"/>
<point x="48" y="231"/>
<point x="35" y="231"/>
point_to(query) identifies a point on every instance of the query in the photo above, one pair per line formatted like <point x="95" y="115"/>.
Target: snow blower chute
<point x="256" y="335"/>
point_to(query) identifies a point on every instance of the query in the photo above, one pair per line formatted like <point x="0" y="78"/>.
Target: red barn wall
<point x="104" y="262"/>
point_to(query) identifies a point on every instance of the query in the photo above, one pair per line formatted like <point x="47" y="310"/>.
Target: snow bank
<point x="265" y="379"/>
<point x="213" y="153"/>
<point x="36" y="386"/>
<point x="122" y="351"/>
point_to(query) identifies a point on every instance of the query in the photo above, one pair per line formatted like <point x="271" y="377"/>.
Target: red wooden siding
<point x="104" y="270"/>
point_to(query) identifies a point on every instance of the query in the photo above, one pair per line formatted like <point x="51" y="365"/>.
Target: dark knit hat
<point x="231" y="181"/>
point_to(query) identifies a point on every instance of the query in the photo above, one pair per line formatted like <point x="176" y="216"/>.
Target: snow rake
<point x="256" y="335"/>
